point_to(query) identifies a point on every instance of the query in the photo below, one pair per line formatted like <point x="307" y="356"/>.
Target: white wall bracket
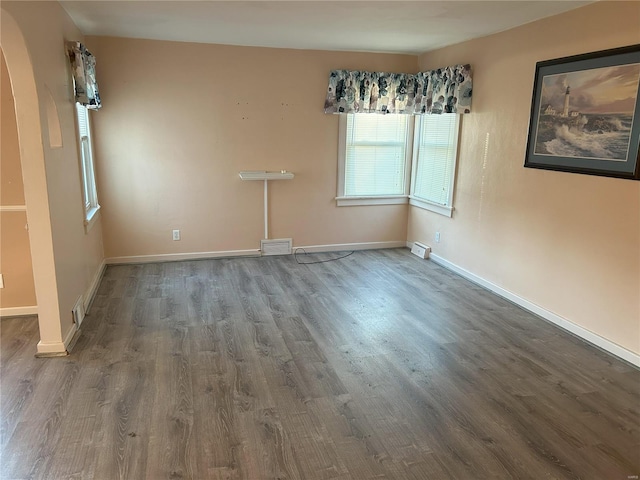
<point x="266" y="176"/>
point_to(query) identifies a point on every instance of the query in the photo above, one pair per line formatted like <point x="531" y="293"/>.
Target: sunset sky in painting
<point x="602" y="90"/>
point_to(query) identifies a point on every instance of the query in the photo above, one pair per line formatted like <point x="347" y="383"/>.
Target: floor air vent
<point x="420" y="250"/>
<point x="78" y="312"/>
<point x="280" y="246"/>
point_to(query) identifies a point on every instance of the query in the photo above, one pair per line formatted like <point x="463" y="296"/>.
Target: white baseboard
<point x="176" y="257"/>
<point x="561" y="322"/>
<point x="342" y="247"/>
<point x="89" y="295"/>
<point x="57" y="349"/>
<point x="18" y="311"/>
<point x="70" y="334"/>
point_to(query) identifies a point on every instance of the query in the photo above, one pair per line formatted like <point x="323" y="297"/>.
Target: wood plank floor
<point x="379" y="365"/>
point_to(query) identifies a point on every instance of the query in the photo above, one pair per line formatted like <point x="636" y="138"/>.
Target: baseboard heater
<point x="277" y="246"/>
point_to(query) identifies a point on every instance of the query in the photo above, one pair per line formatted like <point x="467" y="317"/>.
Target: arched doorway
<point x="30" y="127"/>
<point x="18" y="295"/>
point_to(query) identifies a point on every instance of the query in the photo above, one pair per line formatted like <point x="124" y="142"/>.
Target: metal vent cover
<point x="280" y="246"/>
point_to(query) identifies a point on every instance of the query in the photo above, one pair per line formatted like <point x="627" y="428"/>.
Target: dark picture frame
<point x="585" y="114"/>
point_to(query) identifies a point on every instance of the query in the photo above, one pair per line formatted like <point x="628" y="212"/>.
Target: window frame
<point x="411" y="159"/>
<point x="343" y="200"/>
<point x="416" y="201"/>
<point x="90" y="204"/>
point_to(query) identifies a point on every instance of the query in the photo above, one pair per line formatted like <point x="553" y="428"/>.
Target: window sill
<point x="377" y="200"/>
<point x="92" y="216"/>
<point x="433" y="207"/>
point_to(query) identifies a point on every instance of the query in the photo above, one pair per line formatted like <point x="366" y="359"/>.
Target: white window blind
<point x="90" y="195"/>
<point x="375" y="157"/>
<point x="86" y="174"/>
<point x="83" y="120"/>
<point x="435" y="158"/>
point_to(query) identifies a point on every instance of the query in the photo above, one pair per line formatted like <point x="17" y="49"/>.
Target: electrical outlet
<point x="1" y="281"/>
<point x="437" y="237"/>
<point x="176" y="235"/>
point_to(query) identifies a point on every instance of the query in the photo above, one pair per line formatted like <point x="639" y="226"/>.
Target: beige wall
<point x="65" y="259"/>
<point x="15" y="257"/>
<point x="11" y="188"/>
<point x="19" y="290"/>
<point x="569" y="243"/>
<point x="180" y="120"/>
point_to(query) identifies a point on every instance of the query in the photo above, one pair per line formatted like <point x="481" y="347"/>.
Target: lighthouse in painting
<point x="565" y="112"/>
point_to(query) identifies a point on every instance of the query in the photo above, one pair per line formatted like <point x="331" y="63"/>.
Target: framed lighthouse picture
<point x="585" y="114"/>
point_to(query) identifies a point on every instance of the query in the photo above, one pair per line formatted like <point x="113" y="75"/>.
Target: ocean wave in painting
<point x="589" y="136"/>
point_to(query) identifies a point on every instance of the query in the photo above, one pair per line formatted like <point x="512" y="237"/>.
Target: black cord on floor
<point x="295" y="255"/>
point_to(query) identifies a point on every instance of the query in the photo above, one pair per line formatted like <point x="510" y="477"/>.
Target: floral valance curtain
<point x="83" y="65"/>
<point x="445" y="90"/>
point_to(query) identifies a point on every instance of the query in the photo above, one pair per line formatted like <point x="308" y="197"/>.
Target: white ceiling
<point x="411" y="27"/>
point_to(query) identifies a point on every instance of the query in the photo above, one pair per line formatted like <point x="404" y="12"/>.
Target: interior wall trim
<point x="342" y="247"/>
<point x="13" y="208"/>
<point x="60" y="349"/>
<point x="90" y="294"/>
<point x="176" y="257"/>
<point x="70" y="337"/>
<point x="18" y="311"/>
<point x="57" y="349"/>
<point x="586" y="335"/>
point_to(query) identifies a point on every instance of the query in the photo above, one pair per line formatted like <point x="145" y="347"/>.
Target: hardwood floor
<point x="379" y="365"/>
